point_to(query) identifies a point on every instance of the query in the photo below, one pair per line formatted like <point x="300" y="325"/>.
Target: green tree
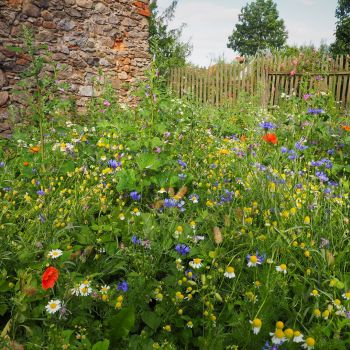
<point x="259" y="28"/>
<point x="165" y="44"/>
<point x="342" y="32"/>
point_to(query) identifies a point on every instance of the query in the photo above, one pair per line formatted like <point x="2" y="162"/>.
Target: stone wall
<point x="84" y="35"/>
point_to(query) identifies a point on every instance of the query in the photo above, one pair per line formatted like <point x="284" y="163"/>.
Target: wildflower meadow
<point x="171" y="225"/>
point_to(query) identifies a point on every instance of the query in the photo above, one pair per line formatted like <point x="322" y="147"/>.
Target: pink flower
<point x="292" y="72"/>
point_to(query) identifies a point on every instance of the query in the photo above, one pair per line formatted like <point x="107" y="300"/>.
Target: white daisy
<point x="85" y="289"/>
<point x="278" y="337"/>
<point x="256" y="324"/>
<point x="298" y="337"/>
<point x="196" y="263"/>
<point x="104" y="289"/>
<point x="230" y="272"/>
<point x="282" y="268"/>
<point x="55" y="253"/>
<point x="53" y="306"/>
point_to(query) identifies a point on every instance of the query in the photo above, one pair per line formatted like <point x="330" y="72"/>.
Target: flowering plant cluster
<point x="182" y="228"/>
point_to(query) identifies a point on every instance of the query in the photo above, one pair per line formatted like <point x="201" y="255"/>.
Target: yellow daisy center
<point x="283" y="267"/>
<point x="279" y="333"/>
<point x="253" y="259"/>
<point x="230" y="269"/>
<point x="53" y="306"/>
<point x="279" y="325"/>
<point x="310" y="341"/>
<point x="256" y="323"/>
<point x="289" y="333"/>
<point x="197" y="260"/>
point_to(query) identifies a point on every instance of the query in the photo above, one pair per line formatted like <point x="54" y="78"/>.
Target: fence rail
<point x="265" y="77"/>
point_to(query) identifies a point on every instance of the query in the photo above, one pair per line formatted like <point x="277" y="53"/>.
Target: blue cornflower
<point x="331" y="152"/>
<point x="182" y="249"/>
<point x="135" y="196"/>
<point x="170" y="202"/>
<point x="332" y="183"/>
<point x="267" y="125"/>
<point x="123" y="286"/>
<point x="2" y="164"/>
<point x="316" y="163"/>
<point x="136" y="240"/>
<point x="300" y="147"/>
<point x="284" y="149"/>
<point x="182" y="163"/>
<point x="40" y="192"/>
<point x="315" y="111"/>
<point x="114" y="164"/>
<point x="7" y="189"/>
<point x="322" y="176"/>
<point x="292" y="154"/>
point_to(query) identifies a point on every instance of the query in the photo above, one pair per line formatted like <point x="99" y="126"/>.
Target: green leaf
<point x="151" y="319"/>
<point x="148" y="161"/>
<point x="121" y="324"/>
<point x="3" y="309"/>
<point x="14" y="49"/>
<point x="67" y="167"/>
<point x="101" y="345"/>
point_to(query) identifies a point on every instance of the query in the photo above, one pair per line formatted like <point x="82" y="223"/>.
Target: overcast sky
<point x="210" y="22"/>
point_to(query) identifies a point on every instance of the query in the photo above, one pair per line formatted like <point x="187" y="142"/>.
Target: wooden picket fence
<point x="268" y="78"/>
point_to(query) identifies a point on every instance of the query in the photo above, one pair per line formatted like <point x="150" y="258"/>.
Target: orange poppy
<point x="49" y="278"/>
<point x="270" y="138"/>
<point x="346" y="127"/>
<point x="34" y="149"/>
<point x="25" y="163"/>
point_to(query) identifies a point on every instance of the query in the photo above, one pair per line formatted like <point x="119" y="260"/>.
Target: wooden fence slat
<point x="266" y="77"/>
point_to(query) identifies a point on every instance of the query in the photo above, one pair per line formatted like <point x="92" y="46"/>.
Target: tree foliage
<point x="165" y="44"/>
<point x="259" y="28"/>
<point x="342" y="33"/>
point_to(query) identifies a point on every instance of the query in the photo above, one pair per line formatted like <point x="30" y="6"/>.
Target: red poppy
<point x="25" y="163"/>
<point x="270" y="138"/>
<point x="49" y="278"/>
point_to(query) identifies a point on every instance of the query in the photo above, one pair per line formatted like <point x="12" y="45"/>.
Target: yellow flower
<point x="307" y="220"/>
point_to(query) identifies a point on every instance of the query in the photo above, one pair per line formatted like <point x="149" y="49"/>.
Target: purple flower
<point x="106" y="103"/>
<point x="267" y="125"/>
<point x="7" y="189"/>
<point x="316" y="163"/>
<point x="182" y="249"/>
<point x="331" y="152"/>
<point x="315" y="111"/>
<point x="136" y="240"/>
<point x="114" y="164"/>
<point x="182" y="176"/>
<point x="322" y="176"/>
<point x="170" y="202"/>
<point x="306" y="96"/>
<point x="123" y="286"/>
<point x="182" y="163"/>
<point x="42" y="218"/>
<point x="135" y="196"/>
<point x="2" y="164"/>
<point x="284" y="149"/>
<point x="292" y="154"/>
<point x="300" y="147"/>
<point x="40" y="192"/>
